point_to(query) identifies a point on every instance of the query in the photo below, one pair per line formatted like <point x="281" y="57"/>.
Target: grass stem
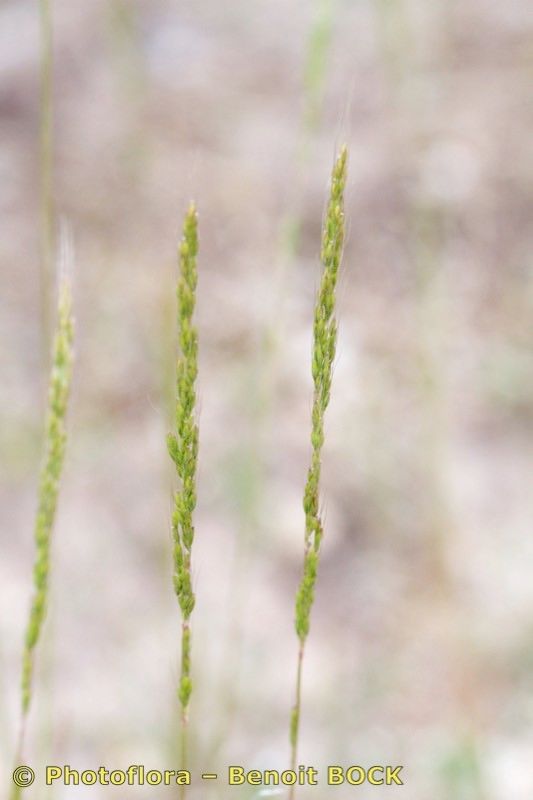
<point x="46" y="169"/>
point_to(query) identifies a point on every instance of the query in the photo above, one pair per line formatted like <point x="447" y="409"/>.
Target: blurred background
<point x="421" y="645"/>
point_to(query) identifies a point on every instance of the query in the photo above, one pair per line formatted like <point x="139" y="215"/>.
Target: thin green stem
<point x="318" y="49"/>
<point x="185" y="635"/>
<point x="46" y="169"/>
<point x="295" y="717"/>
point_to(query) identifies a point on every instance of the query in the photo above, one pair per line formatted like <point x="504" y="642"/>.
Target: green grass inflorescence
<point x="55" y="443"/>
<point x="324" y="344"/>
<point x="183" y="449"/>
<point x="56" y="437"/>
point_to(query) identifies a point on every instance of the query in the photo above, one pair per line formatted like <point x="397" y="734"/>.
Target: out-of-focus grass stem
<point x="46" y="174"/>
<point x="314" y="71"/>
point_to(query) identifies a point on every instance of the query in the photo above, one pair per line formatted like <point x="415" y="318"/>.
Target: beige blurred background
<point x="421" y="647"/>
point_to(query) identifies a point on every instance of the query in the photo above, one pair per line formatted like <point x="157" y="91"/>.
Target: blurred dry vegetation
<point x="421" y="647"/>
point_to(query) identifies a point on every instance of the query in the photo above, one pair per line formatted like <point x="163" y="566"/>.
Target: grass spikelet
<point x="49" y="483"/>
<point x="183" y="450"/>
<point x="324" y="344"/>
